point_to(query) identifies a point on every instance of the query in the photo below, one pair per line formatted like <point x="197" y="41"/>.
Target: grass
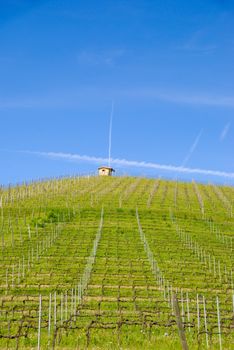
<point x="47" y="234"/>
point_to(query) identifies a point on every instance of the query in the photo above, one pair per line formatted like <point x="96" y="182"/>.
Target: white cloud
<point x="131" y="163"/>
<point x="198" y="43"/>
<point x="183" y="97"/>
<point x="83" y="96"/>
<point x="105" y="57"/>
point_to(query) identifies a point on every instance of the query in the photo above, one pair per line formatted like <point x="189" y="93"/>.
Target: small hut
<point x="105" y="171"/>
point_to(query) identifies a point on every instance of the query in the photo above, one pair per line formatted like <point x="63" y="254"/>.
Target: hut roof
<point x="106" y="167"/>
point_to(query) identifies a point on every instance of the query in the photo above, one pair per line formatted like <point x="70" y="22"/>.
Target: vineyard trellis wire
<point x="99" y="282"/>
<point x="164" y="282"/>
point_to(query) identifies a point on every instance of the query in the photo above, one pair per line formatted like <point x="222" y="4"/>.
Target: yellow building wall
<point x="105" y="172"/>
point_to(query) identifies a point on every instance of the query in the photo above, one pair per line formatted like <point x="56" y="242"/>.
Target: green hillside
<point x="100" y="263"/>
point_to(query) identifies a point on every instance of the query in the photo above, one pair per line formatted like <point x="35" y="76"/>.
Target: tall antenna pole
<point x="110" y="133"/>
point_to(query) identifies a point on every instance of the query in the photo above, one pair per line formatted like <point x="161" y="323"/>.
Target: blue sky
<point x="167" y="65"/>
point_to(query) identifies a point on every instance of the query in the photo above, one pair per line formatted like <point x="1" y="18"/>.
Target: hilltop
<point x="100" y="263"/>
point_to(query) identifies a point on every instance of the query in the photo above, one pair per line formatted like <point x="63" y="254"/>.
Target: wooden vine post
<point x="179" y="323"/>
<point x="39" y="324"/>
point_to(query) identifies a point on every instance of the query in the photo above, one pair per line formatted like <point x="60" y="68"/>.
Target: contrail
<point x="110" y="133"/>
<point x="192" y="149"/>
<point x="132" y="163"/>
<point x="225" y="131"/>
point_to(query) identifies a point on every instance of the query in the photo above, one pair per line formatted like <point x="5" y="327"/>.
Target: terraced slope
<point x="100" y="263"/>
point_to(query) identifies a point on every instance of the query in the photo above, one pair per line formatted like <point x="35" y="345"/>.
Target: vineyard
<point x="116" y="263"/>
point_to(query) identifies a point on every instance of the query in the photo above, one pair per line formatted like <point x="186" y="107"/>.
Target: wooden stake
<point x="49" y="317"/>
<point x="39" y="324"/>
<point x="219" y="324"/>
<point x="205" y="321"/>
<point x="179" y="323"/>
